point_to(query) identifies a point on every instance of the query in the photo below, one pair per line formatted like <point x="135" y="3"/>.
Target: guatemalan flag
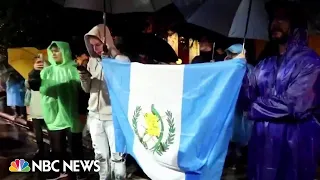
<point x="175" y="120"/>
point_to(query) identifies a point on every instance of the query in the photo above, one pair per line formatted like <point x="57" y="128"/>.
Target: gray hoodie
<point x="99" y="105"/>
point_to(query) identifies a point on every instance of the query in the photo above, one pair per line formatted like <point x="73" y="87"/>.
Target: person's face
<point x="280" y="27"/>
<point x="205" y="46"/>
<point x="220" y="51"/>
<point x="56" y="54"/>
<point x="97" y="45"/>
<point x="230" y="56"/>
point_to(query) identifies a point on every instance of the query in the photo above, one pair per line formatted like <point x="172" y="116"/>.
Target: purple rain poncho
<point x="283" y="97"/>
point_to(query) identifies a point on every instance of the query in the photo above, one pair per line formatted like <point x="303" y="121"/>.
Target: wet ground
<point x="17" y="142"/>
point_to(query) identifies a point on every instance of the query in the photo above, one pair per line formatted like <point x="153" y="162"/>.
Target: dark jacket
<point x="34" y="80"/>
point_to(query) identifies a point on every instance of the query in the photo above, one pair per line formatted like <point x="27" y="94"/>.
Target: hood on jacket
<point x="65" y="51"/>
<point x="98" y="32"/>
<point x="298" y="37"/>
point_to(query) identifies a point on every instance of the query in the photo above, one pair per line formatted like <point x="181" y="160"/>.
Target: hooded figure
<point x="99" y="119"/>
<point x="283" y="101"/>
<point x="16" y="94"/>
<point x="59" y="89"/>
<point x="93" y="81"/>
<point x="60" y="83"/>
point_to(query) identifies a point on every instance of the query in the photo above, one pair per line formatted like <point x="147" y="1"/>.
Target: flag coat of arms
<point x="175" y="120"/>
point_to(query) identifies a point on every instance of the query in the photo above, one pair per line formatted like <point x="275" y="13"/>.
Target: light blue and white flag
<point x="175" y="120"/>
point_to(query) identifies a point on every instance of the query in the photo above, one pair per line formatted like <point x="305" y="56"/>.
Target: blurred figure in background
<point x="144" y="46"/>
<point x="241" y="126"/>
<point x="15" y="89"/>
<point x="35" y="108"/>
<point x="219" y="55"/>
<point x="82" y="60"/>
<point x="2" y="95"/>
<point x="206" y="48"/>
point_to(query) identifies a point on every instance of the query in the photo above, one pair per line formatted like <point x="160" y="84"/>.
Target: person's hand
<point x="83" y="71"/>
<point x="241" y="56"/>
<point x="38" y="65"/>
<point x="179" y="61"/>
<point x="114" y="51"/>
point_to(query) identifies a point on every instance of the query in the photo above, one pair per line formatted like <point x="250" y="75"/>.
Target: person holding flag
<point x="99" y="43"/>
<point x="157" y="119"/>
<point x="241" y="125"/>
<point x="282" y="98"/>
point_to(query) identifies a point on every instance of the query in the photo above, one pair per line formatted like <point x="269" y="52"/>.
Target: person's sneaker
<point x="131" y="169"/>
<point x="56" y="176"/>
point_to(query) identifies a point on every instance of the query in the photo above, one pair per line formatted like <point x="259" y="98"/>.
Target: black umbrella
<point x="157" y="49"/>
<point x="115" y="6"/>
<point x="228" y="17"/>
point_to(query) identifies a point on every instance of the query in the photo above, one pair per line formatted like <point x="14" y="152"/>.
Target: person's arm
<point x="2" y="86"/>
<point x="249" y="91"/>
<point x="85" y="76"/>
<point x="122" y="58"/>
<point x="296" y="103"/>
<point x="115" y="53"/>
<point x="85" y="80"/>
<point x="34" y="80"/>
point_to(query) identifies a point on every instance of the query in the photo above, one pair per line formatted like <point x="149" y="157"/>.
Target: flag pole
<point x="105" y="48"/>
<point x="213" y="51"/>
<point x="247" y="25"/>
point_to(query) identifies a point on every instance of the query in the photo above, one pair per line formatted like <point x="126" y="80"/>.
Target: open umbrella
<point x="116" y="6"/>
<point x="232" y="18"/>
<point x="22" y="59"/>
<point x="157" y="49"/>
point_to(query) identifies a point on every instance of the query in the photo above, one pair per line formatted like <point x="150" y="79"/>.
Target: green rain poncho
<point x="59" y="90"/>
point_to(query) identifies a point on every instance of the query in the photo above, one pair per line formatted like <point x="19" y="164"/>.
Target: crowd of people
<point x="279" y="98"/>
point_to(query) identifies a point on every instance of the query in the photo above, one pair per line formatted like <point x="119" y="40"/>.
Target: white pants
<point x="103" y="140"/>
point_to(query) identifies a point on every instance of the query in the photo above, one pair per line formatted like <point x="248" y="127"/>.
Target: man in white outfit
<point x="99" y="119"/>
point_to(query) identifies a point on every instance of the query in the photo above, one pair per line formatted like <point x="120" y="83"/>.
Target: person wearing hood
<point x="99" y="119"/>
<point x="35" y="108"/>
<point x="15" y="95"/>
<point x="282" y="98"/>
<point x="241" y="125"/>
<point x="59" y="84"/>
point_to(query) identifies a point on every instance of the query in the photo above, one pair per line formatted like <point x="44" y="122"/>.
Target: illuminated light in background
<point x="194" y="49"/>
<point x="173" y="40"/>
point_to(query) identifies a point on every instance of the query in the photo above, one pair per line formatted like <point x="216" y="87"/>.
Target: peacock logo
<point x="19" y="165"/>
